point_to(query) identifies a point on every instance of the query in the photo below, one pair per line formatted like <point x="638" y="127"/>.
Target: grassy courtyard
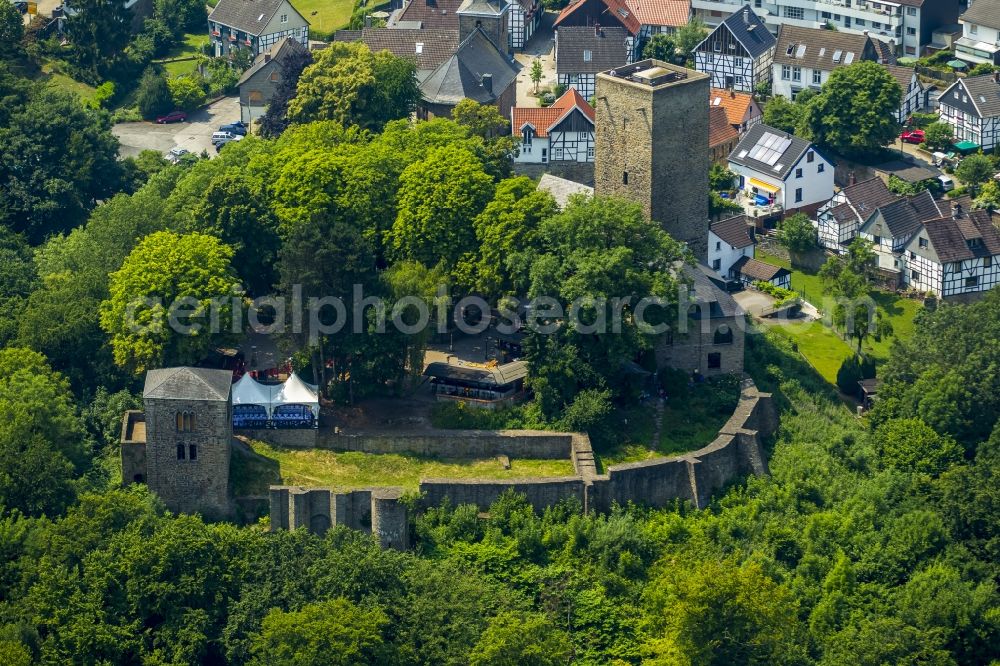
<point x="330" y="15"/>
<point x="350" y="469"/>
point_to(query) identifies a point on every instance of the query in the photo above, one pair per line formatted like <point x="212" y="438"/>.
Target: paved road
<point x="541" y="46"/>
<point x="195" y="135"/>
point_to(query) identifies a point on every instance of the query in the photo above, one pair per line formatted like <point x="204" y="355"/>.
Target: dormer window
<point x="973" y="243"/>
<point x="923" y="243"/>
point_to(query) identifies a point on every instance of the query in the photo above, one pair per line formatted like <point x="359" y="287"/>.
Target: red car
<point x="913" y="136"/>
<point x="172" y="117"/>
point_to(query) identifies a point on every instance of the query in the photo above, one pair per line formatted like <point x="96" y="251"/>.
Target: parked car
<point x="239" y="127"/>
<point x="913" y="136"/>
<point x="218" y="137"/>
<point x="947" y="184"/>
<point x="221" y="143"/>
<point x="175" y="154"/>
<point x="172" y="117"/>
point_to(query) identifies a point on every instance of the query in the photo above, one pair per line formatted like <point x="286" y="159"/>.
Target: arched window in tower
<point x="180" y="452"/>
<point x="179" y="419"/>
<point x="723" y="335"/>
<point x="193" y="452"/>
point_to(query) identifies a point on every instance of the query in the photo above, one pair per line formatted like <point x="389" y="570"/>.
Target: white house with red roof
<point x="563" y="132"/>
<point x="641" y="19"/>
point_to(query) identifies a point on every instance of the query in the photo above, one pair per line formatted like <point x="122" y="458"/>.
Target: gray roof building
<point x="984" y="12"/>
<point x="429" y="47"/>
<point x="185" y="383"/>
<point x="978" y="95"/>
<point x="824" y="50"/>
<point x="477" y="70"/>
<point x="770" y="150"/>
<point x="904" y="217"/>
<point x="589" y="50"/>
<point x="748" y="29"/>
<point x="959" y="238"/>
<point x="249" y="16"/>
<point x="735" y="231"/>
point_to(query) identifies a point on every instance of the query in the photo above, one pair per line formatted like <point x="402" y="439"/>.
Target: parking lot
<point x="195" y="135"/>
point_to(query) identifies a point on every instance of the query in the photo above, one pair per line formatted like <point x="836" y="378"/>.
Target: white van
<point x="947" y="184"/>
<point x="219" y="137"/>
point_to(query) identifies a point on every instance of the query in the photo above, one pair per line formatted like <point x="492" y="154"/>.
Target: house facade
<point x="891" y="227"/>
<point x="525" y="17"/>
<point x="906" y="25"/>
<point x="259" y="83"/>
<point x="972" y="107"/>
<point x="742" y="110"/>
<point x="913" y="91"/>
<point x="729" y="241"/>
<point x="641" y="19"/>
<point x="583" y="51"/>
<point x="563" y="132"/>
<point x="749" y="272"/>
<point x="782" y="168"/>
<point x="955" y="257"/>
<point x="980" y="40"/>
<point x="255" y="26"/>
<point x="839" y="220"/>
<point x="738" y="54"/>
<point x="805" y="57"/>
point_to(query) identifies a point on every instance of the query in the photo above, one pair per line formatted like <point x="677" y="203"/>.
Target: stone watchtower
<point x="651" y="145"/>
<point x="184" y="454"/>
<point x="490" y="16"/>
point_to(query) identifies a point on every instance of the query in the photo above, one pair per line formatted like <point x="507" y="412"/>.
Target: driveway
<point x="195" y="135"/>
<point x="541" y="46"/>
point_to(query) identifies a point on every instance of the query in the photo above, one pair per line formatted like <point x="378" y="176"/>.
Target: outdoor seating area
<point x="292" y="404"/>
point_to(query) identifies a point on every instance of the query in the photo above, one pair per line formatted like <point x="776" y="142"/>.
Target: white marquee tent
<point x="296" y="392"/>
<point x="295" y="400"/>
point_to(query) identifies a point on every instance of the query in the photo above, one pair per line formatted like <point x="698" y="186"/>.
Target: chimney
<point x="746" y="15"/>
<point x="487" y="81"/>
<point x="852" y="179"/>
<point x="597" y="29"/>
<point x="996" y="76"/>
<point x="732" y="94"/>
<point x="267" y="57"/>
<point x="956" y="211"/>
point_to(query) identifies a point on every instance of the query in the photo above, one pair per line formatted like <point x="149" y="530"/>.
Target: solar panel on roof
<point x="770" y="148"/>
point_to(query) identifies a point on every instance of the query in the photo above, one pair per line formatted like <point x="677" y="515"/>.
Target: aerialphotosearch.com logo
<point x="472" y="315"/>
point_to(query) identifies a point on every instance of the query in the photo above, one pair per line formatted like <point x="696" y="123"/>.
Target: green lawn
<point x="330" y="14"/>
<point x="190" y="47"/>
<point x="819" y="345"/>
<point x="347" y="470"/>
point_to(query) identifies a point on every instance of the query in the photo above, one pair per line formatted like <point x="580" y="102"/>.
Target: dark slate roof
<point x="905" y="216"/>
<point x="482" y="7"/>
<point x="283" y="48"/>
<point x="983" y="92"/>
<point x="460" y="76"/>
<point x="950" y="237"/>
<point x="866" y="196"/>
<point x="188" y="384"/>
<point x="815" y="48"/>
<point x="786" y="160"/>
<point x="885" y="53"/>
<point x="607" y="49"/>
<point x="983" y="12"/>
<point x="497" y="376"/>
<point x="249" y="16"/>
<point x="749" y="30"/>
<point x="844" y="214"/>
<point x="903" y="76"/>
<point x="758" y="270"/>
<point x="909" y="170"/>
<point x="734" y="231"/>
<point x="432" y="13"/>
<point x="347" y="36"/>
<point x="436" y="45"/>
<point x="706" y="290"/>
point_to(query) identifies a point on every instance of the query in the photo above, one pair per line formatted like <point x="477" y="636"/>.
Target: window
<point x="817" y="77"/>
<point x="914" y="275"/>
<point x="588" y="55"/>
<point x="972" y="281"/>
<point x="274" y="75"/>
<point x="625" y="178"/>
<point x="796" y="73"/>
<point x="923" y="243"/>
<point x="739" y="79"/>
<point x="859" y="22"/>
<point x="987" y="262"/>
<point x="825" y="15"/>
<point x="877" y="240"/>
<point x="193" y="452"/>
<point x="718" y="245"/>
<point x="715" y="359"/>
<point x="590" y="153"/>
<point x="184" y="421"/>
<point x="717" y="46"/>
<point x="738" y="62"/>
<point x="810" y="156"/>
<point x="913" y="255"/>
<point x="786" y="72"/>
<point x="911" y="31"/>
<point x="284" y="18"/>
<point x="911" y="11"/>
<point x="794" y="12"/>
<point x="758" y="3"/>
<point x="180" y="452"/>
<point x="821" y="168"/>
<point x="716" y="264"/>
<point x="723" y="335"/>
<point x="798" y="195"/>
<point x="557" y="154"/>
<point x="798" y="173"/>
<point x="973" y="29"/>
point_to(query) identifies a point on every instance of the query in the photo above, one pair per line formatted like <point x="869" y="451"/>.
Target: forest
<point x="873" y="541"/>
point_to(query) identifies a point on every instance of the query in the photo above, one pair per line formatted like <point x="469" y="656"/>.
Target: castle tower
<point x="188" y="438"/>
<point x="651" y="145"/>
<point x="491" y="16"/>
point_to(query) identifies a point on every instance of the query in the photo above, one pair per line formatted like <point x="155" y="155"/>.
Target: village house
<point x="641" y="19"/>
<point x="259" y="83"/>
<point x="839" y="220"/>
<point x="890" y="227"/>
<point x="525" y="17"/>
<point x="563" y="132"/>
<point x="582" y="52"/>
<point x="729" y="241"/>
<point x="913" y="91"/>
<point x="780" y="169"/>
<point x="805" y="57"/>
<point x="955" y="256"/>
<point x="980" y="40"/>
<point x="722" y="136"/>
<point x="972" y="107"/>
<point x="749" y="271"/>
<point x="427" y="47"/>
<point x="254" y="25"/>
<point x="742" y="110"/>
<point x="738" y="54"/>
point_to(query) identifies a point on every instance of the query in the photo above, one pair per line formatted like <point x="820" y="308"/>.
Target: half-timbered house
<point x="641" y="19"/>
<point x="955" y="257"/>
<point x="972" y="107"/>
<point x="890" y="227"/>
<point x="525" y="17"/>
<point x="913" y="91"/>
<point x="563" y="132"/>
<point x="839" y="220"/>
<point x="738" y="54"/>
<point x="582" y="52"/>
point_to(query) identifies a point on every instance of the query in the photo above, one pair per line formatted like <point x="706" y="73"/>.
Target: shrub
<point x="153" y="97"/>
<point x="853" y="370"/>
<point x="783" y="296"/>
<point x="187" y="92"/>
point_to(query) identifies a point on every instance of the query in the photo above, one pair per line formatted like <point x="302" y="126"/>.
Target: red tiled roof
<point x="661" y="12"/>
<point x="734" y="103"/>
<point x="545" y="118"/>
<point x="618" y="9"/>
<point x="720" y="131"/>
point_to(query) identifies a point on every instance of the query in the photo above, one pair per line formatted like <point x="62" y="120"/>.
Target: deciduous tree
<point x="975" y="170"/>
